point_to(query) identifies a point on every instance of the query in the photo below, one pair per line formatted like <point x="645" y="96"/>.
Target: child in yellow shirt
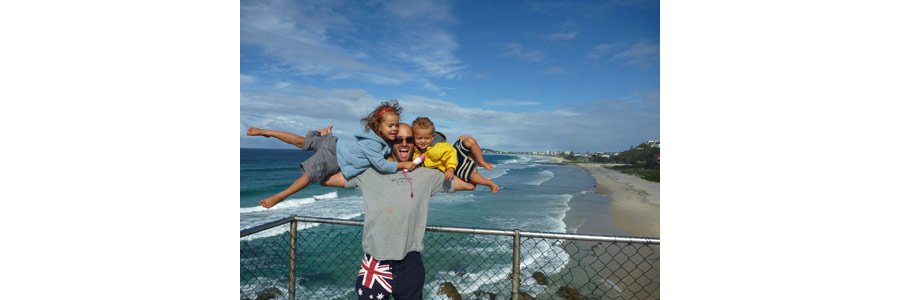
<point x="443" y="156"/>
<point x="439" y="156"/>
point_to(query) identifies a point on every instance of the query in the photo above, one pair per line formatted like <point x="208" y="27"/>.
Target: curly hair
<point x="373" y="120"/>
<point x="423" y="123"/>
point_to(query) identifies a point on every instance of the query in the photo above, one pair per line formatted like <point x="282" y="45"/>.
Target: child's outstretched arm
<point x="372" y="151"/>
<point x="286" y="137"/>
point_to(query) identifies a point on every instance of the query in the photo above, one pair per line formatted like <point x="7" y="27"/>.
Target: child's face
<point x="389" y="125"/>
<point x="423" y="136"/>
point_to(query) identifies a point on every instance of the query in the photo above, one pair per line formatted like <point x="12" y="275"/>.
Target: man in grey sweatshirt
<point x="396" y="211"/>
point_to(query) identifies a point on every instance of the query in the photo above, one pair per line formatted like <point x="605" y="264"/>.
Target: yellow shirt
<point x="440" y="156"/>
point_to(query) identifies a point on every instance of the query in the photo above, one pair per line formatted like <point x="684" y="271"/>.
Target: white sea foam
<point x="290" y="203"/>
<point x="260" y="284"/>
<point x="543" y="176"/>
<point x="544" y="255"/>
<point x="508" y="161"/>
<point x="331" y="195"/>
<point x="285" y="228"/>
<point x="545" y="213"/>
<point x="496" y="173"/>
<point x="346" y="207"/>
<point x="453" y="198"/>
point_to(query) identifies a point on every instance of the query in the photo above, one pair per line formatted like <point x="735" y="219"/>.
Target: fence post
<point x="292" y="278"/>
<point x="517" y="243"/>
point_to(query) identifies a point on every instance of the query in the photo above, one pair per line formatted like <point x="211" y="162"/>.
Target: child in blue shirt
<point x="344" y="158"/>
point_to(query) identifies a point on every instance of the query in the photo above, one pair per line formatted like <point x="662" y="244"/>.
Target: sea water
<point x="535" y="196"/>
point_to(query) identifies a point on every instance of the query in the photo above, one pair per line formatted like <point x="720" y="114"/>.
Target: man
<point x="396" y="211"/>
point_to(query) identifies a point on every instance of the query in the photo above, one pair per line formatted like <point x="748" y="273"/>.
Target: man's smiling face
<point x="403" y="145"/>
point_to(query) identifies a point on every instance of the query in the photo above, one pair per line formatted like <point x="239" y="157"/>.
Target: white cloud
<point x="561" y="36"/>
<point x="428" y="85"/>
<point x="422" y="37"/>
<point x="609" y="125"/>
<point x="640" y="54"/>
<point x="554" y="71"/>
<point x="568" y="31"/>
<point x="434" y="11"/>
<point x="566" y="113"/>
<point x="507" y="103"/>
<point x="598" y="51"/>
<point x="282" y="85"/>
<point x="590" y="8"/>
<point x="518" y="51"/>
<point x="298" y="35"/>
<point x="328" y="39"/>
<point x="431" y="51"/>
<point x="246" y="79"/>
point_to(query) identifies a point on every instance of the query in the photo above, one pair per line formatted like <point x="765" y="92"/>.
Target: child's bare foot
<point x="253" y="131"/>
<point x="486" y="165"/>
<point x="269" y="202"/>
<point x="495" y="188"/>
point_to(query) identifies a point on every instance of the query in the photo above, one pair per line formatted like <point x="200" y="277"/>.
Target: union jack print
<point x="373" y="271"/>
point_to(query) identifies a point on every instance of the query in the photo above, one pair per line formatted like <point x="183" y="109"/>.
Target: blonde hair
<point x="423" y="123"/>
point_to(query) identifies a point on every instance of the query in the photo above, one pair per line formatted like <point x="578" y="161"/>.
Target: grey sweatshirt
<point x="395" y="222"/>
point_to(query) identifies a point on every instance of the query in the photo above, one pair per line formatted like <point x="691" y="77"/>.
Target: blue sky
<point x="517" y="75"/>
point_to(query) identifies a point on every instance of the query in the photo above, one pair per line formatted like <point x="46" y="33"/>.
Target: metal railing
<point x="460" y="263"/>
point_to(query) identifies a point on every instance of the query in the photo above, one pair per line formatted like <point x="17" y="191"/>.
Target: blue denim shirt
<point x="366" y="150"/>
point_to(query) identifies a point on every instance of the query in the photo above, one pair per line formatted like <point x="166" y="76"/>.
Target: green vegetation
<point x="641" y="161"/>
<point x="645" y="173"/>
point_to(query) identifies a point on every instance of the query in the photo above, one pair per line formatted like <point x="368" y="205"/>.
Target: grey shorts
<point x="324" y="162"/>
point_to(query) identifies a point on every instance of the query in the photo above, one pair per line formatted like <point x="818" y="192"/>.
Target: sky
<point x="516" y="75"/>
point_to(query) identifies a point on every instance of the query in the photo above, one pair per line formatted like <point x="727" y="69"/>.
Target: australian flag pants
<point x="403" y="279"/>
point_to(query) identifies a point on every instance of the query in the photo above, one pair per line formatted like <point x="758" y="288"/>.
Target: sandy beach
<point x="594" y="268"/>
<point x="635" y="201"/>
<point x="610" y="270"/>
<point x="634" y="207"/>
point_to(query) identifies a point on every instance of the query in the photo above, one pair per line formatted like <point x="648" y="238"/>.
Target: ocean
<point x="536" y="194"/>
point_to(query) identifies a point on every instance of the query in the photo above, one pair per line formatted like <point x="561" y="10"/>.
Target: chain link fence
<point x="460" y="263"/>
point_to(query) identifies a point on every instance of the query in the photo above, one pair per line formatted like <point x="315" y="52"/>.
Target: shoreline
<point x="633" y="208"/>
<point x="556" y="160"/>
<point x="635" y="201"/>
